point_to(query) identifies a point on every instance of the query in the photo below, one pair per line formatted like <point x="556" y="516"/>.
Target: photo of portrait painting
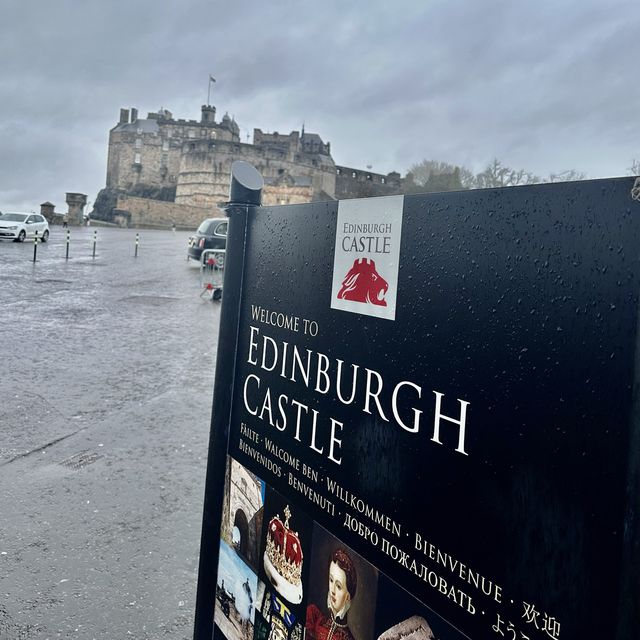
<point x="341" y="592"/>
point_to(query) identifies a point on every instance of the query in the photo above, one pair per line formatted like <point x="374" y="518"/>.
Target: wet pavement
<point x="106" y="381"/>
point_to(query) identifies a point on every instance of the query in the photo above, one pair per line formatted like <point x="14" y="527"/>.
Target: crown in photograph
<point x="283" y="558"/>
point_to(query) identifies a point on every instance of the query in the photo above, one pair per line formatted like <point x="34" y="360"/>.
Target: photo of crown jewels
<point x="283" y="558"/>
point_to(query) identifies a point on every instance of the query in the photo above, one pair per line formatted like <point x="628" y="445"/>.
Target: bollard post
<point x="137" y="243"/>
<point x="95" y="239"/>
<point x="67" y="254"/>
<point x="35" y="245"/>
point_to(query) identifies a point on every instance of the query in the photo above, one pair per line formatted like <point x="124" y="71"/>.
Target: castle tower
<point x="76" y="203"/>
<point x="208" y="114"/>
<point x="204" y="175"/>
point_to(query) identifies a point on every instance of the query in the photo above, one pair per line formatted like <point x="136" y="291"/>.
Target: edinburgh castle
<point x="163" y="171"/>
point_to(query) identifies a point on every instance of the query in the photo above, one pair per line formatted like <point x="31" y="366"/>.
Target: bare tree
<point x="570" y="175"/>
<point x="498" y="175"/>
<point x="467" y="178"/>
<point x="634" y="169"/>
<point x="422" y="171"/>
<point x="433" y="175"/>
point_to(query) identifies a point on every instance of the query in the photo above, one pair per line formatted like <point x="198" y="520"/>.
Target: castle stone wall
<point x="144" y="158"/>
<point x="356" y="183"/>
<point x="205" y="171"/>
<point x="285" y="194"/>
<point x="141" y="212"/>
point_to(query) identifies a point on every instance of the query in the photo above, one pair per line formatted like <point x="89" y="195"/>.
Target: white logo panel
<point x="367" y="256"/>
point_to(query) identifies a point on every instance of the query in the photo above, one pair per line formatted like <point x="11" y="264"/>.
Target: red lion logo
<point x="364" y="284"/>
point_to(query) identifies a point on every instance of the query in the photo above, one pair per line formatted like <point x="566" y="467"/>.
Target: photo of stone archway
<point x="242" y="512"/>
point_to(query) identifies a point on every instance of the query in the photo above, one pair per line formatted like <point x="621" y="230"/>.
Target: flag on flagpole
<point x="211" y="78"/>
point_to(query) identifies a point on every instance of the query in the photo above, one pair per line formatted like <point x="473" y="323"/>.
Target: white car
<point x="19" y="226"/>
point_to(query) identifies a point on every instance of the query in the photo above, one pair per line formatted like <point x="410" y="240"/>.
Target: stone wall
<point x="205" y="171"/>
<point x="284" y="194"/>
<point x="141" y="212"/>
<point x="356" y="183"/>
<point x="142" y="159"/>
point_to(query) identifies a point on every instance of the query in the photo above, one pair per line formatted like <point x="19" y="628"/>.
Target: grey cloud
<point x="387" y="83"/>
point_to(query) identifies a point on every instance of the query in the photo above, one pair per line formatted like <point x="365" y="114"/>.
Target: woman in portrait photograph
<point x="342" y="584"/>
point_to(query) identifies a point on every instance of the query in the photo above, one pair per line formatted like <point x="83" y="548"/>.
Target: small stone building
<point x="76" y="203"/>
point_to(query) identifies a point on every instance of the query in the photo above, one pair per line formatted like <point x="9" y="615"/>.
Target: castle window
<point x="191" y="133"/>
<point x="353" y="174"/>
<point x="169" y="133"/>
<point x="368" y="176"/>
<point x="165" y="145"/>
<point x="138" y="143"/>
<point x="192" y="147"/>
<point x="382" y="180"/>
<point x="136" y="159"/>
<point x="164" y="160"/>
<point x="339" y="171"/>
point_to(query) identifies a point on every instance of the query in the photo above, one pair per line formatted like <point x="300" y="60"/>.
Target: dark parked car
<point x="211" y="234"/>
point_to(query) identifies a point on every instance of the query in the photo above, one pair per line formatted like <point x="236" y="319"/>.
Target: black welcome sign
<point x="426" y="419"/>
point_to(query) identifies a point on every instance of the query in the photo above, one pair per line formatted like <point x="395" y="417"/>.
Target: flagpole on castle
<point x="211" y="79"/>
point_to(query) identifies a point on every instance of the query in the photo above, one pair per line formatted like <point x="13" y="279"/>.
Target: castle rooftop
<point x="142" y="126"/>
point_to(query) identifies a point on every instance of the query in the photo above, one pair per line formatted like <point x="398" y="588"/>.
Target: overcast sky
<point x="545" y="86"/>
